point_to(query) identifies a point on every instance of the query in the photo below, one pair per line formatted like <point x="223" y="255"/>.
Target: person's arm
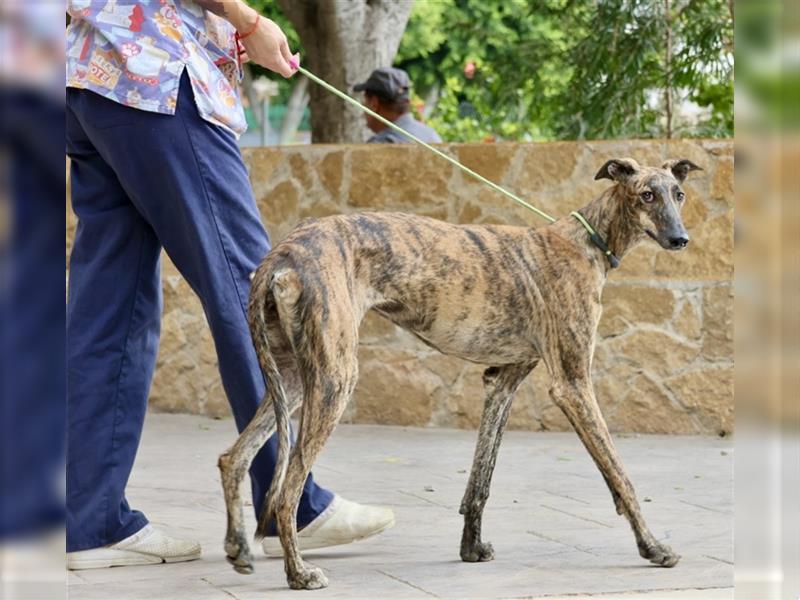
<point x="266" y="45"/>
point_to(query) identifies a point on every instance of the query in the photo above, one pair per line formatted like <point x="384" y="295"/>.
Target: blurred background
<point x="524" y="70"/>
<point x="32" y="294"/>
<point x="767" y="287"/>
<point x="488" y="72"/>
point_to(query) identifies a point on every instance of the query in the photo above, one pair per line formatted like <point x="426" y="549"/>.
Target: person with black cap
<point x="386" y="93"/>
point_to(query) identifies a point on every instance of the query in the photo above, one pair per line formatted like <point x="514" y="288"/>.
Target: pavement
<point x="550" y="518"/>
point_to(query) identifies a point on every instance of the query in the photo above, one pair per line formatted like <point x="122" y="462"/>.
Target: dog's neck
<point x="613" y="217"/>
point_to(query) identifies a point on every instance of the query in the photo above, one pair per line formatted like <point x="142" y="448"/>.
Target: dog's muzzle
<point x="675" y="242"/>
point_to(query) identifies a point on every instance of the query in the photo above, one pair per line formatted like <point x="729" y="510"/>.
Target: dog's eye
<point x="681" y="196"/>
<point x="647" y="196"/>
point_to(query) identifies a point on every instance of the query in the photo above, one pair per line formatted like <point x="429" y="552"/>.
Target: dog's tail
<point x="262" y="292"/>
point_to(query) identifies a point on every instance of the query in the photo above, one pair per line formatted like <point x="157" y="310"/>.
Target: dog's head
<point x="656" y="196"/>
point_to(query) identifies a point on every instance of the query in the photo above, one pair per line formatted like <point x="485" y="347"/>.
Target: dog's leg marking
<point x="329" y="367"/>
<point x="323" y="406"/>
<point x="233" y="466"/>
<point x="500" y="384"/>
<point x="575" y="397"/>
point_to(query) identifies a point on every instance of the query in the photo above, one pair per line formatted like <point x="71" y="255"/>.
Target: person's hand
<point x="267" y="45"/>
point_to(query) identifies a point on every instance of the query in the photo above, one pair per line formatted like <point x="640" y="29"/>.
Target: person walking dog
<point x="153" y="116"/>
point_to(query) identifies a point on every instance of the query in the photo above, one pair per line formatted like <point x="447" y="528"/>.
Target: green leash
<point x="593" y="235"/>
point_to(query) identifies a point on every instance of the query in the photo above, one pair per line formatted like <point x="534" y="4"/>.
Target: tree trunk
<point x="344" y="41"/>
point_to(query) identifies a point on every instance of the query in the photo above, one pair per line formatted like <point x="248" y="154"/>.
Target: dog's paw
<point x="480" y="552"/>
<point x="243" y="563"/>
<point x="238" y="554"/>
<point x="309" y="579"/>
<point x="660" y="554"/>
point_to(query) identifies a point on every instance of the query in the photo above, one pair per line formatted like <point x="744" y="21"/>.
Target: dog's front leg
<point x="575" y="397"/>
<point x="500" y="384"/>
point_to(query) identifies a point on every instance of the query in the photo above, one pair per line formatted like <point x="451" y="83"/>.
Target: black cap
<point x="386" y="82"/>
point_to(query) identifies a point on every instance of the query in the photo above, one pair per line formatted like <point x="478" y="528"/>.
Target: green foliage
<point x="425" y="32"/>
<point x="705" y="67"/>
<point x="507" y="42"/>
<point x="271" y="10"/>
<point x="768" y="80"/>
<point x="562" y="69"/>
<point x="570" y="69"/>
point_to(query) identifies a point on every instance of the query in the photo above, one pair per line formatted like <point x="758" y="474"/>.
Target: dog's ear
<point x="618" y="169"/>
<point x="680" y="167"/>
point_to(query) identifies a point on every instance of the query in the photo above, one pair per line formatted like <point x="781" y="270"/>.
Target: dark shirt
<point x="407" y="122"/>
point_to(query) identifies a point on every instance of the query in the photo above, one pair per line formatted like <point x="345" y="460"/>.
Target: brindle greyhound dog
<point x="505" y="297"/>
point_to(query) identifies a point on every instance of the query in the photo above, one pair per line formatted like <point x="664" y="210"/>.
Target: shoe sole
<point x="278" y="552"/>
<point x="136" y="559"/>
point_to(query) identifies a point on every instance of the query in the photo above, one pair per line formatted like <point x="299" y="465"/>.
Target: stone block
<point x="627" y="305"/>
<point x="490" y="160"/>
<point x="687" y="323"/>
<point x="654" y="351"/>
<point x="706" y="393"/>
<point x="708" y="256"/>
<point x="393" y="388"/>
<point x="718" y="322"/>
<point x="391" y="177"/>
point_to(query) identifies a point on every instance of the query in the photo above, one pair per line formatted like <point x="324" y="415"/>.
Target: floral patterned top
<point x="135" y="52"/>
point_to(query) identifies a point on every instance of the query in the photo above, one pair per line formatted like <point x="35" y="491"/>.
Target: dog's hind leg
<point x="236" y="461"/>
<point x="323" y="406"/>
<point x="233" y="466"/>
<point x="500" y="384"/>
<point x="574" y="395"/>
<point x="327" y="356"/>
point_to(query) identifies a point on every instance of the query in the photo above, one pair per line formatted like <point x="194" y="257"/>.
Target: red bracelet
<point x="251" y="32"/>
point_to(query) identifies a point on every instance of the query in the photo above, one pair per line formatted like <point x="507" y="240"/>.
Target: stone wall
<point x="664" y="358"/>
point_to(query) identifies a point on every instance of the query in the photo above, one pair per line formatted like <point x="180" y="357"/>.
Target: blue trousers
<point x="141" y="182"/>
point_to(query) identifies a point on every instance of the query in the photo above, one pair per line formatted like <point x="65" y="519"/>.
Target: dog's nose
<point x="679" y="242"/>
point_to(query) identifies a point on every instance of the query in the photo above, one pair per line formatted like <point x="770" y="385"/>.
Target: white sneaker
<point x="148" y="546"/>
<point x="342" y="522"/>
